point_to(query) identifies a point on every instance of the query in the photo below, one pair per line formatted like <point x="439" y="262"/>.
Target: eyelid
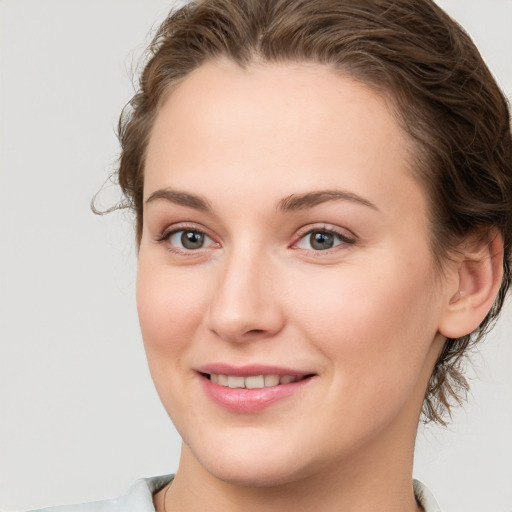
<point x="344" y="233"/>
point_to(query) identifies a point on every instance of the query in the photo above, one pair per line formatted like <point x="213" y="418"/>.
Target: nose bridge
<point x="243" y="305"/>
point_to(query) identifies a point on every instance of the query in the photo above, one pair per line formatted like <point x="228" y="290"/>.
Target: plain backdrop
<point x="79" y="418"/>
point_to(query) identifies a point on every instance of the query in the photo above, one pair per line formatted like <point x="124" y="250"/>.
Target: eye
<point x="189" y="239"/>
<point x="322" y="240"/>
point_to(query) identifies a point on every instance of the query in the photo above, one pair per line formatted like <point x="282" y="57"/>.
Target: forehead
<point x="285" y="128"/>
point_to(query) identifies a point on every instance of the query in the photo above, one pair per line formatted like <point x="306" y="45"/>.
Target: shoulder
<point x="138" y="497"/>
<point x="425" y="497"/>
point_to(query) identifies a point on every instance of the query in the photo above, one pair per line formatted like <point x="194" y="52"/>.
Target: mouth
<point x="251" y="388"/>
<point x="253" y="381"/>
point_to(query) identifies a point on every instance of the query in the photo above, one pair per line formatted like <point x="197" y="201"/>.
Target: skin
<point x="364" y="316"/>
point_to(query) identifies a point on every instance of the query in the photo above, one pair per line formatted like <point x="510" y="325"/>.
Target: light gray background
<point x="79" y="419"/>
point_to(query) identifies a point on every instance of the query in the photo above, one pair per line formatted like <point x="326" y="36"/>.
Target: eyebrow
<point x="290" y="203"/>
<point x="180" y="198"/>
<point x="311" y="199"/>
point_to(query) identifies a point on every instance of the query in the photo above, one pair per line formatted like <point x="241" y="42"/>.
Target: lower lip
<point x="243" y="400"/>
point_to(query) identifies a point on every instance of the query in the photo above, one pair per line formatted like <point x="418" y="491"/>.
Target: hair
<point x="414" y="54"/>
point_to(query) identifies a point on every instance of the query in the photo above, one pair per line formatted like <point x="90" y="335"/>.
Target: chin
<point x="251" y="474"/>
<point x="258" y="466"/>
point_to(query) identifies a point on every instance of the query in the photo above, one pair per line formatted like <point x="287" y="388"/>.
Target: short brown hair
<point x="413" y="53"/>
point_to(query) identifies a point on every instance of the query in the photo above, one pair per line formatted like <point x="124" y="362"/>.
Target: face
<point x="287" y="295"/>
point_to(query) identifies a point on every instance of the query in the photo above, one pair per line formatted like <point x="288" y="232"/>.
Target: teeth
<point x="252" y="382"/>
<point x="271" y="380"/>
<point x="255" y="382"/>
<point x="236" y="382"/>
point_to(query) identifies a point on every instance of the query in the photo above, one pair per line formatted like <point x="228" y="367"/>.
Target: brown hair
<point x="444" y="96"/>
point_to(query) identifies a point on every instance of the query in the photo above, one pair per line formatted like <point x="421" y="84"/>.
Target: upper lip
<point x="251" y="369"/>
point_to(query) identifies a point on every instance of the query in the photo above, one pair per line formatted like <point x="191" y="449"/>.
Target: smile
<point x="251" y="389"/>
<point x="252" y="381"/>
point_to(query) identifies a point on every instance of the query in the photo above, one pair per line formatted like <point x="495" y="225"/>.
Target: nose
<point x="244" y="305"/>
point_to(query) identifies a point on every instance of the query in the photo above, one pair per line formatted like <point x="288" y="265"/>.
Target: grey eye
<point x="320" y="240"/>
<point x="189" y="239"/>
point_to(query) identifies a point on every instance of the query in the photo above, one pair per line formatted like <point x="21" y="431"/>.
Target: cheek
<point x="170" y="306"/>
<point x="374" y="323"/>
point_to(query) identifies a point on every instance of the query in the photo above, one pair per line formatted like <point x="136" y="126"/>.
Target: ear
<point x="473" y="284"/>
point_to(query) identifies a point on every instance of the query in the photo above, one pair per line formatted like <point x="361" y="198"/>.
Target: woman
<point x="323" y="199"/>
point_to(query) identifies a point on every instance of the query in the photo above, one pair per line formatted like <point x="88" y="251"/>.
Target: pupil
<point x="192" y="239"/>
<point x="321" y="241"/>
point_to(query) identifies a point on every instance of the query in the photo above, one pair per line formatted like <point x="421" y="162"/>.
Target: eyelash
<point x="302" y="234"/>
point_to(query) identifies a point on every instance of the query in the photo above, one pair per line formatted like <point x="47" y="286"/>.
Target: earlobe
<point x="479" y="272"/>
